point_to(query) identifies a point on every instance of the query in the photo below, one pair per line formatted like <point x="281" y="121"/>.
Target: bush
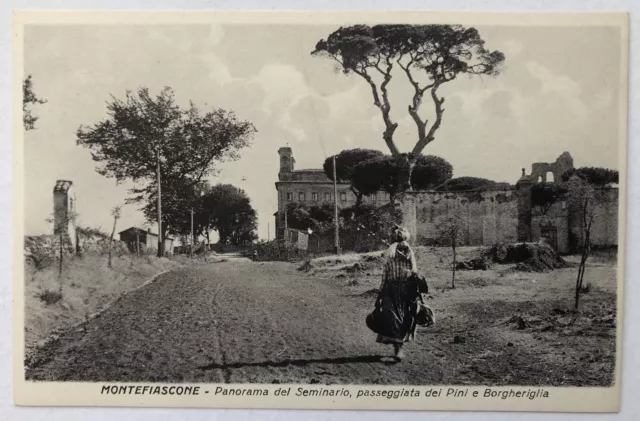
<point x="40" y="258"/>
<point x="50" y="297"/>
<point x="92" y="232"/>
<point x="593" y="175"/>
<point x="277" y="250"/>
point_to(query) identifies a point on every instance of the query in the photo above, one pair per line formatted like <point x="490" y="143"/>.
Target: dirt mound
<point x="480" y="263"/>
<point x="359" y="267"/>
<point x="528" y="257"/>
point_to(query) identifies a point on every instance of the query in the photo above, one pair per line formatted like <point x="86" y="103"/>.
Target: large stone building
<point x="313" y="187"/>
<point x="504" y="215"/>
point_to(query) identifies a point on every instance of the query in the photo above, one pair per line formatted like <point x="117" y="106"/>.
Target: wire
<point x="313" y="109"/>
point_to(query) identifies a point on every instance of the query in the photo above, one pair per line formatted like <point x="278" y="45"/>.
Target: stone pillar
<point x="524" y="207"/>
<point x="64" y="212"/>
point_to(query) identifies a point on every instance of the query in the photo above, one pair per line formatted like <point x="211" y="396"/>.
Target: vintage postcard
<point x="320" y="210"/>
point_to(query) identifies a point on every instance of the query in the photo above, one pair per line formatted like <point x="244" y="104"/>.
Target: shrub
<point x="92" y="232"/>
<point x="50" y="297"/>
<point x="40" y="258"/>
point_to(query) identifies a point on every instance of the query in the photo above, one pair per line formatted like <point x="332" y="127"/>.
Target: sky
<point x="558" y="91"/>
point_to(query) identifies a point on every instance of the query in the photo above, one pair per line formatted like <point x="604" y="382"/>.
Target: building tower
<point x="286" y="160"/>
<point x="64" y="211"/>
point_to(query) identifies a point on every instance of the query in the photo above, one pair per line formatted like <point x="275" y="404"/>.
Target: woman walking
<point x="396" y="302"/>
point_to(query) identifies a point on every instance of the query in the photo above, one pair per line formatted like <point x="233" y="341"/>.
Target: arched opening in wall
<point x="550" y="178"/>
<point x="539" y="180"/>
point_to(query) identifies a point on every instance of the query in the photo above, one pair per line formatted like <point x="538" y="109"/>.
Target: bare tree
<point x="115" y="213"/>
<point x="449" y="233"/>
<point x="428" y="55"/>
<point x="582" y="197"/>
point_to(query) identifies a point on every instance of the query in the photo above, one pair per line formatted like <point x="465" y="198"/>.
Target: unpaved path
<point x="241" y="321"/>
<point x="235" y="321"/>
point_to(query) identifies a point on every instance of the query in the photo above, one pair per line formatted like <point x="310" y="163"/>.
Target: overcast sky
<point x="558" y="92"/>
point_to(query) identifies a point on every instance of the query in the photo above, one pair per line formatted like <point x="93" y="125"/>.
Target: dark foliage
<point x="544" y="195"/>
<point x="385" y="174"/>
<point x="593" y="175"/>
<point x="472" y="184"/>
<point x="301" y="216"/>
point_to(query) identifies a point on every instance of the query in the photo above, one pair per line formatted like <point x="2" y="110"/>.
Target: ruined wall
<point x="488" y="217"/>
<point x="552" y="227"/>
<point x="604" y="231"/>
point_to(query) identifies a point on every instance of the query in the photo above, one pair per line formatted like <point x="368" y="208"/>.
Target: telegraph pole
<point x="193" y="240"/>
<point x="335" y="206"/>
<point x="286" y="232"/>
<point x="160" y="239"/>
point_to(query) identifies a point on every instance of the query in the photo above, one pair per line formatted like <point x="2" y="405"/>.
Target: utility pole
<point x="286" y="232"/>
<point x="268" y="231"/>
<point x="137" y="242"/>
<point x="193" y="240"/>
<point x="160" y="239"/>
<point x="335" y="206"/>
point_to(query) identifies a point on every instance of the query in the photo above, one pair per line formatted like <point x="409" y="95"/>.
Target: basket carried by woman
<point x="400" y="306"/>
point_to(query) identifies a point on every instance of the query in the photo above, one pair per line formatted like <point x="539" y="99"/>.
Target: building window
<point x="289" y="197"/>
<point x="343" y="197"/>
<point x="327" y="197"/>
<point x="301" y="197"/>
<point x="314" y="197"/>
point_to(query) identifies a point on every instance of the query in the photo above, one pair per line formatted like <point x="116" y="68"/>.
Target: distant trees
<point x="301" y="216"/>
<point x="29" y="97"/>
<point x="471" y="184"/>
<point x="385" y="174"/>
<point x="346" y="162"/>
<point x="227" y="209"/>
<point x="428" y="56"/>
<point x="593" y="175"/>
<point x="369" y="171"/>
<point x="223" y="208"/>
<point x="151" y="141"/>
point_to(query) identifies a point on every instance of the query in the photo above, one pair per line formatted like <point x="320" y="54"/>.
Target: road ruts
<point x="234" y="322"/>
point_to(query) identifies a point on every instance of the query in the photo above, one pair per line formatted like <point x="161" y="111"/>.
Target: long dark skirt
<point x="398" y="313"/>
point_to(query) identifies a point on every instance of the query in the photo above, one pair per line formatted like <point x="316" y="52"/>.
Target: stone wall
<point x="507" y="216"/>
<point x="604" y="231"/>
<point x="49" y="245"/>
<point x="488" y="217"/>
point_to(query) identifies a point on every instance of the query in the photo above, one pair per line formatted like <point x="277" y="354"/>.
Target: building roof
<point x="313" y="170"/>
<point x="62" y="186"/>
<point x="142" y="231"/>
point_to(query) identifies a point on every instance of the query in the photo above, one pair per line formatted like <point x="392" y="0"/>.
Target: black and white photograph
<point x="371" y="212"/>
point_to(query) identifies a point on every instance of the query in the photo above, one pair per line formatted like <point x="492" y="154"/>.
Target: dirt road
<point x="241" y="321"/>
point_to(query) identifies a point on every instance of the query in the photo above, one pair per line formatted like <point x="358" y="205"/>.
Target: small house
<point x="135" y="237"/>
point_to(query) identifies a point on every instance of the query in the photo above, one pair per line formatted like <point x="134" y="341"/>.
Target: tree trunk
<point x="113" y="231"/>
<point x="586" y="248"/>
<point x="358" y="197"/>
<point x="208" y="245"/>
<point x="405" y="169"/>
<point x="453" y="269"/>
<point x="137" y="243"/>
